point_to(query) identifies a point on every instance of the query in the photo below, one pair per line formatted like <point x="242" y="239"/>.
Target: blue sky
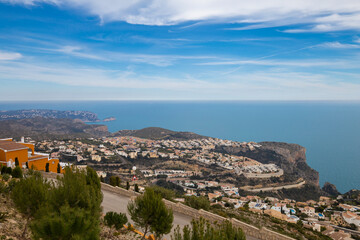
<point x="179" y="50"/>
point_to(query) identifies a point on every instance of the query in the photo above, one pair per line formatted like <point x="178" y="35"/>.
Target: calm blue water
<point x="330" y="131"/>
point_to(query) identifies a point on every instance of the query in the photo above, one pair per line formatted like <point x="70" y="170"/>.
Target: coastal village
<point x="332" y="216"/>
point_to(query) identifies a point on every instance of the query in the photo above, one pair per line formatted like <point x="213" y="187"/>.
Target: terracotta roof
<point x="11" y="146"/>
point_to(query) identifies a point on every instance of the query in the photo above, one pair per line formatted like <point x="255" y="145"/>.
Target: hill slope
<point x="50" y="128"/>
<point x="157" y="133"/>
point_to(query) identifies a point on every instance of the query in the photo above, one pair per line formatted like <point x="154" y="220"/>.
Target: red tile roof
<point x="11" y="146"/>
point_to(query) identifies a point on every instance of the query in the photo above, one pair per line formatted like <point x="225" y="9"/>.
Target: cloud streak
<point x="9" y="56"/>
<point x="319" y="16"/>
<point x="274" y="84"/>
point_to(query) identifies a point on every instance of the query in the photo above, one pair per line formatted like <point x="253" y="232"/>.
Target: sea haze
<point x="330" y="131"/>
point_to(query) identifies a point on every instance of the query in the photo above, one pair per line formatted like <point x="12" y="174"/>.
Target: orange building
<point x="24" y="153"/>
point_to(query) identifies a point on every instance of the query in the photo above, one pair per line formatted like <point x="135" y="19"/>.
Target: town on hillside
<point x="185" y="166"/>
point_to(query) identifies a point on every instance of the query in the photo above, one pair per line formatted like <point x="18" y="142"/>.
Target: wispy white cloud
<point x="260" y="84"/>
<point x="9" y="55"/>
<point x="339" y="45"/>
<point x="77" y="51"/>
<point x="320" y="16"/>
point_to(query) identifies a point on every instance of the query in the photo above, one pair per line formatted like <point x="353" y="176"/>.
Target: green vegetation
<point x="29" y="195"/>
<point x="3" y="169"/>
<point x="198" y="202"/>
<point x="68" y="210"/>
<point x="17" y="172"/>
<point x="203" y="230"/>
<point x="6" y="177"/>
<point x="47" y="167"/>
<point x="115" y="181"/>
<point x="165" y="193"/>
<point x="149" y="212"/>
<point x="117" y="220"/>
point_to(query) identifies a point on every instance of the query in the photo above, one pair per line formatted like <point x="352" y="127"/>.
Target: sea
<point x="330" y="131"/>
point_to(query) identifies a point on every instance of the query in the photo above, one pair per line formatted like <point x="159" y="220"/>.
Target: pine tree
<point x="149" y="212"/>
<point x="127" y="185"/>
<point x="73" y="208"/>
<point x="29" y="195"/>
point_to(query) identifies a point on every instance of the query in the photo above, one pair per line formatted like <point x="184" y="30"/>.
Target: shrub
<point x="3" y="169"/>
<point x="201" y="229"/>
<point x="198" y="202"/>
<point x="117" y="220"/>
<point x="165" y="193"/>
<point x="6" y="177"/>
<point x="17" y="172"/>
<point x="8" y="170"/>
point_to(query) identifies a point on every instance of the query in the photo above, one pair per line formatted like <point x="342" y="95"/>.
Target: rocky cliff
<point x="290" y="157"/>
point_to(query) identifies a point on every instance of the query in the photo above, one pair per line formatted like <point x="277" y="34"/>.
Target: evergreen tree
<point x="77" y="194"/>
<point x="149" y="212"/>
<point x="17" y="172"/>
<point x="27" y="165"/>
<point x="127" y="185"/>
<point x="16" y="162"/>
<point x="58" y="168"/>
<point x="47" y="167"/>
<point x="29" y="195"/>
<point x="71" y="223"/>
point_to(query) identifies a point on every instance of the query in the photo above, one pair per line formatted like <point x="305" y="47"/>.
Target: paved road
<point x="276" y="188"/>
<point x="118" y="203"/>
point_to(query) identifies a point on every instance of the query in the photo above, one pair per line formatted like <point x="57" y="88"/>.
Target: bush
<point x="115" y="181"/>
<point x="198" y="202"/>
<point x="3" y="169"/>
<point x="117" y="220"/>
<point x="201" y="229"/>
<point x="165" y="193"/>
<point x="17" y="172"/>
<point x="6" y="177"/>
<point x="8" y="170"/>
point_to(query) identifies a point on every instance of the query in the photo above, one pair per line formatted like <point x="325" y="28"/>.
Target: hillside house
<point x="23" y="154"/>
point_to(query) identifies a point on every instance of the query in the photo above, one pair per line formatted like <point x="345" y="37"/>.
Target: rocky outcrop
<point x="290" y="157"/>
<point x="330" y="189"/>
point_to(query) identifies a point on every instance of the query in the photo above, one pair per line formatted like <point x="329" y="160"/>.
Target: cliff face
<point x="290" y="157"/>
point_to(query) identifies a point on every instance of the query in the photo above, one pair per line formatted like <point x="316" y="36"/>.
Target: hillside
<point x="85" y="116"/>
<point x="156" y="133"/>
<point x="50" y="128"/>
